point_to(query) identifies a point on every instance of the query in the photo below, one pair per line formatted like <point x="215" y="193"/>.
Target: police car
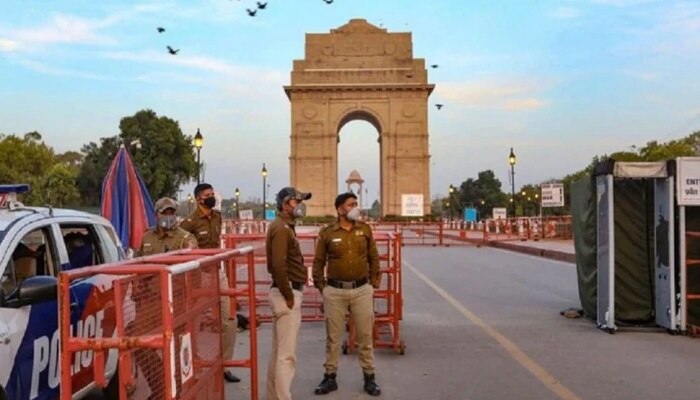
<point x="35" y="244"/>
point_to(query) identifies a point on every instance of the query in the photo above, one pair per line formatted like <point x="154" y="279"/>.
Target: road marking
<point x="549" y="381"/>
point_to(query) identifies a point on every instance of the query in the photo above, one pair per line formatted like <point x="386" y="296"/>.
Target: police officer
<point x="166" y="235"/>
<point x="205" y="224"/>
<point x="286" y="265"/>
<point x="348" y="248"/>
<point x="162" y="238"/>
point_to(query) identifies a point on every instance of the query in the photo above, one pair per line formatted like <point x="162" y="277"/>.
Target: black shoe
<point x="327" y="385"/>
<point x="230" y="377"/>
<point x="371" y="386"/>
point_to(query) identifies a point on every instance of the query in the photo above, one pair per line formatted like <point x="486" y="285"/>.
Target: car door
<point x="28" y="332"/>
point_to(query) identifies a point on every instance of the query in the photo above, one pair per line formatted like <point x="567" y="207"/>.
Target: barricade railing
<point x="388" y="298"/>
<point x="157" y="321"/>
<point x="528" y="228"/>
<point x="311" y="305"/>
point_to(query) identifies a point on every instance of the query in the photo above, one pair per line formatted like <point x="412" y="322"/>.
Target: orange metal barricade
<point x="312" y="301"/>
<point x="160" y="318"/>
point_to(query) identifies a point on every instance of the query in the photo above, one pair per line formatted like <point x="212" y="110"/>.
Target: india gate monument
<point x="360" y="72"/>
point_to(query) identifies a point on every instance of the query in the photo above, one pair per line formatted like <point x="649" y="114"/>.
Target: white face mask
<point x="354" y="214"/>
<point x="299" y="211"/>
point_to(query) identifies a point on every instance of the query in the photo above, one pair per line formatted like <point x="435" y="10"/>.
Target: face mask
<point x="167" y="222"/>
<point x="353" y="215"/>
<point x="299" y="211"/>
<point x="210" y="202"/>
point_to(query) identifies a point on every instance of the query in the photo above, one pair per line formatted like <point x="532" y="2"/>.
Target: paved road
<point x="483" y="323"/>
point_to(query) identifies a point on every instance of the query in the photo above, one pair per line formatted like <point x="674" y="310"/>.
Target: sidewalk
<point x="556" y="249"/>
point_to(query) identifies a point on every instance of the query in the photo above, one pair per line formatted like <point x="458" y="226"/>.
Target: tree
<point x="165" y="158"/>
<point x="58" y="186"/>
<point x="483" y="193"/>
<point x="94" y="168"/>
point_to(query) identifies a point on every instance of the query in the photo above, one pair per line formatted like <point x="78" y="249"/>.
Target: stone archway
<point x="360" y="71"/>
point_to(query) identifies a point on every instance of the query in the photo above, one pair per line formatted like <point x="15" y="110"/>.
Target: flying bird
<point x="172" y="51"/>
<point x="261" y="6"/>
<point x="434" y="66"/>
<point x="439" y="106"/>
<point x="328" y="1"/>
<point x="251" y="12"/>
<point x="160" y="29"/>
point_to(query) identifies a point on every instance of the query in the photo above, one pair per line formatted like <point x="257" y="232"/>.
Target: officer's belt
<point x="295" y="285"/>
<point x="347" y="284"/>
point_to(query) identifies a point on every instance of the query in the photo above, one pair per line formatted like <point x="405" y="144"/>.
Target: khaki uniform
<point x="206" y="228"/>
<point x="352" y="262"/>
<point x="154" y="242"/>
<point x="286" y="265"/>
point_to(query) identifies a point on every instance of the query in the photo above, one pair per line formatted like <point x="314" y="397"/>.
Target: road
<point x="483" y="323"/>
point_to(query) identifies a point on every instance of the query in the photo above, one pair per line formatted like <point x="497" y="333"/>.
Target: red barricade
<point x="160" y="321"/>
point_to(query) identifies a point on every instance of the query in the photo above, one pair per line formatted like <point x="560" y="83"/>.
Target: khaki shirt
<point x="284" y="259"/>
<point x="350" y="254"/>
<point x="155" y="242"/>
<point x="206" y="228"/>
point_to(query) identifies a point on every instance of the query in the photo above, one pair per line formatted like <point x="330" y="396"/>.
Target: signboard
<point x="245" y="214"/>
<point x="411" y="205"/>
<point x="270" y="214"/>
<point x="499" y="213"/>
<point x="470" y="214"/>
<point x="186" y="364"/>
<point x="688" y="181"/>
<point x="552" y="195"/>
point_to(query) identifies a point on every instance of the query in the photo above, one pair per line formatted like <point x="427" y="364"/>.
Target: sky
<point x="559" y="81"/>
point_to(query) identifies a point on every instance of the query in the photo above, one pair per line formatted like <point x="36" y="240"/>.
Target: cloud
<point x="49" y="70"/>
<point x="623" y="3"/>
<point x="523" y="104"/>
<point x="8" y="45"/>
<point x="642" y="75"/>
<point x="565" y="13"/>
<point x="65" y="29"/>
<point x="495" y="93"/>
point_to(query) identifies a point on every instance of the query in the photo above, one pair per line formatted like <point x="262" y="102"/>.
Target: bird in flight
<point x="261" y="6"/>
<point x="160" y="29"/>
<point x="439" y="106"/>
<point x="328" y="1"/>
<point x="172" y="51"/>
<point x="251" y="12"/>
<point x="434" y="66"/>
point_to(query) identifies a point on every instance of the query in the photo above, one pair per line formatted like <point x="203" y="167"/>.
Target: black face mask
<point x="210" y="202"/>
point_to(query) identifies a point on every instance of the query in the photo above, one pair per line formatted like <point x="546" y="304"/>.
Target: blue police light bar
<point x="17" y="188"/>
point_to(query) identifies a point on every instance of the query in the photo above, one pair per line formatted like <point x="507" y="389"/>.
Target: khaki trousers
<point x="336" y="302"/>
<point x="228" y="326"/>
<point x="283" y="360"/>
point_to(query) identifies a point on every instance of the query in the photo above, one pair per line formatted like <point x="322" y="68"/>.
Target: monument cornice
<point x="357" y="87"/>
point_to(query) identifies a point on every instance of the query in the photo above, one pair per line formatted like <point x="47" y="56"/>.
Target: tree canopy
<point x="163" y="155"/>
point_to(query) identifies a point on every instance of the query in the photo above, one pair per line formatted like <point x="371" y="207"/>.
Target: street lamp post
<point x="198" y="142"/>
<point x="264" y="176"/>
<point x="238" y="193"/>
<point x="451" y="190"/>
<point x="511" y="161"/>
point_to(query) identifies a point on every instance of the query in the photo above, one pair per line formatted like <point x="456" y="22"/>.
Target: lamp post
<point x="511" y="161"/>
<point x="198" y="142"/>
<point x="190" y="200"/>
<point x="264" y="176"/>
<point x="238" y="193"/>
<point x="451" y="190"/>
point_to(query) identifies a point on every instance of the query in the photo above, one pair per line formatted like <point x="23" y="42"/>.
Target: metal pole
<point x="264" y="200"/>
<point x="199" y="167"/>
<point x="512" y="189"/>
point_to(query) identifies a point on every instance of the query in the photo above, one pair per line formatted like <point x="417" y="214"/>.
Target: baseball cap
<point x="164" y="203"/>
<point x="289" y="193"/>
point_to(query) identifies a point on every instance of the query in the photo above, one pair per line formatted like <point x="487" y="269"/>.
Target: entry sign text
<point x="412" y="205"/>
<point x="553" y="195"/>
<point x="688" y="176"/>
